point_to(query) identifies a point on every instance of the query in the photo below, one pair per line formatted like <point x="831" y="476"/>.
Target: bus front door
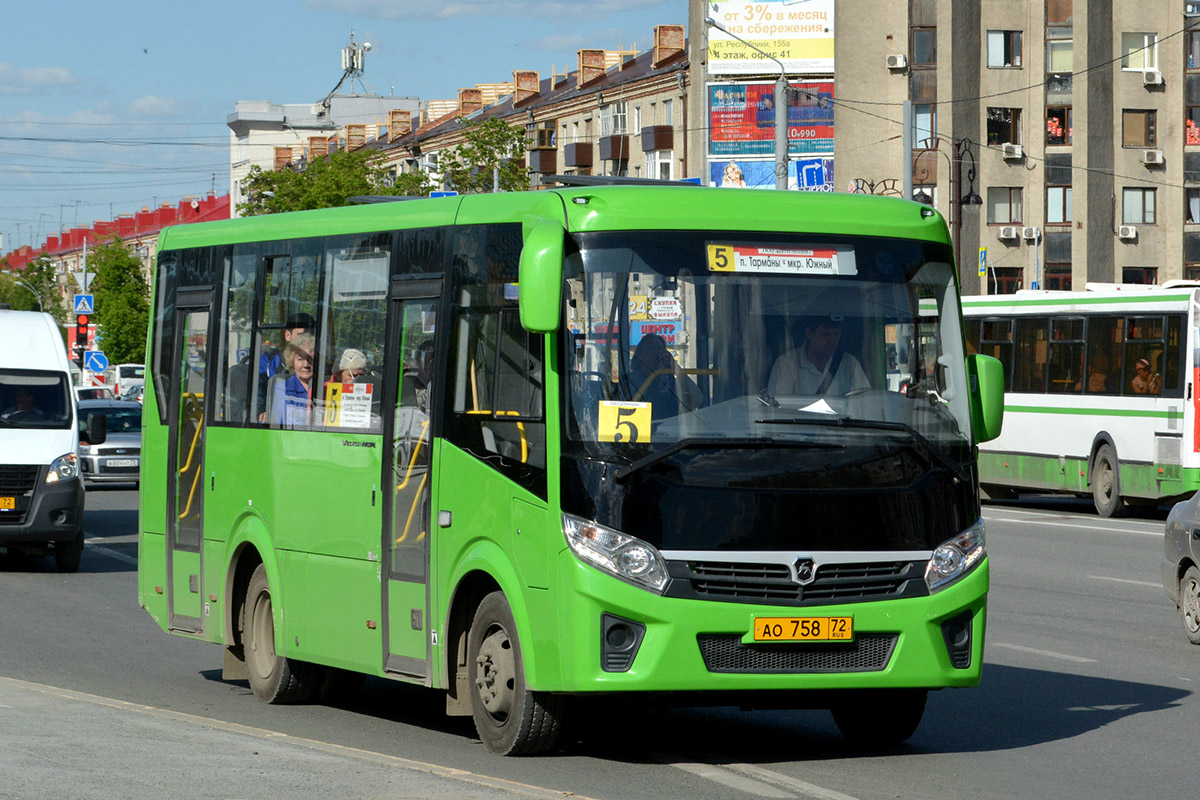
<point x="185" y="490"/>
<point x="407" y="479"/>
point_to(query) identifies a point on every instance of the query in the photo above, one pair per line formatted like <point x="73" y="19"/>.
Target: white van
<point x="41" y="493"/>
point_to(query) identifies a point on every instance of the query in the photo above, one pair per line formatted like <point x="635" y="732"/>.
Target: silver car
<point x="118" y="460"/>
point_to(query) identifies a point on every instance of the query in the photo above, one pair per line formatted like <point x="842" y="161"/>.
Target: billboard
<point x="805" y="174"/>
<point x="800" y="35"/>
<point x="741" y="118"/>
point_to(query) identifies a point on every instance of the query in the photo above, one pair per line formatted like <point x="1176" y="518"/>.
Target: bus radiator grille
<point x="773" y="583"/>
<point x="870" y="652"/>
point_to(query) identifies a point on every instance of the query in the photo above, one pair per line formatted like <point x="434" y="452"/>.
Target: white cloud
<point x="419" y="9"/>
<point x="153" y="106"/>
<point x="31" y="80"/>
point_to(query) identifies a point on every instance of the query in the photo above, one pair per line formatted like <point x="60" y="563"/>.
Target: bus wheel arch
<point x="1104" y="476"/>
<point x="468" y="594"/>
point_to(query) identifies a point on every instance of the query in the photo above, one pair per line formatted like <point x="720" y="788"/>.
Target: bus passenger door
<point x="407" y="515"/>
<point x="185" y="486"/>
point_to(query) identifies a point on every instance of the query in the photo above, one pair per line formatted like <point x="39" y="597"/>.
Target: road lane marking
<point x="99" y="548"/>
<point x="729" y="778"/>
<point x="1046" y="653"/>
<point x="515" y="788"/>
<point x="1061" y="524"/>
<point x="1151" y="584"/>
<point x="809" y="789"/>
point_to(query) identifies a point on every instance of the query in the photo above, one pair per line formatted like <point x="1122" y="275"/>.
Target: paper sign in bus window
<point x="348" y="405"/>
<point x="624" y="422"/>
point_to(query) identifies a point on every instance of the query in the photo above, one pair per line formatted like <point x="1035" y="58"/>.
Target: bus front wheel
<point x="880" y="718"/>
<point x="510" y="719"/>
<point x="1106" y="489"/>
<point x="273" y="678"/>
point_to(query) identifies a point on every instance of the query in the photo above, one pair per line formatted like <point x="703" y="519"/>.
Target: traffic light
<point x="81" y="334"/>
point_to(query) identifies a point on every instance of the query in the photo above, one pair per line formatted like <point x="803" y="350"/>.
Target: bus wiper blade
<point x="622" y="473"/>
<point x="927" y="447"/>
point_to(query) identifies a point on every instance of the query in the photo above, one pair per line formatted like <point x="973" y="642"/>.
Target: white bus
<point x="1100" y="392"/>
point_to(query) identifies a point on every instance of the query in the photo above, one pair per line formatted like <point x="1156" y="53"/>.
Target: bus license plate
<point x="803" y="629"/>
<point x="8" y="503"/>
<point x="121" y="462"/>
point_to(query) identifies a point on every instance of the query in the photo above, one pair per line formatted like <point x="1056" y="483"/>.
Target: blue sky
<point x="107" y="107"/>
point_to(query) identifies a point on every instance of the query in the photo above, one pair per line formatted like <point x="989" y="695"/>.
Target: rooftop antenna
<point x="353" y="61"/>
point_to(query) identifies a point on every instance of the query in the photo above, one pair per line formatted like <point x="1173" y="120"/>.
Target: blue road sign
<point x="84" y="304"/>
<point x="443" y="194"/>
<point x="95" y="360"/>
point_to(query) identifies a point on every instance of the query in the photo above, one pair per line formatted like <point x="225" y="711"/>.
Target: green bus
<point x="527" y="449"/>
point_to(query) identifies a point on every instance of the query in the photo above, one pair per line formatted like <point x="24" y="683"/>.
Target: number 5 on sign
<point x="627" y="423"/>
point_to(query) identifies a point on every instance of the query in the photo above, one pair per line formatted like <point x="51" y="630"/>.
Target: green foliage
<point x="122" y="302"/>
<point x="491" y="144"/>
<point x="18" y="289"/>
<point x="324" y="183"/>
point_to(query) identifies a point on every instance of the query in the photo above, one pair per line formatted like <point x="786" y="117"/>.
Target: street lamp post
<point x="962" y="152"/>
<point x="33" y="291"/>
<point x="781" y="89"/>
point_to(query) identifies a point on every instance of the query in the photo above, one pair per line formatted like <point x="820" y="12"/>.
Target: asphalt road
<point x="1087" y="693"/>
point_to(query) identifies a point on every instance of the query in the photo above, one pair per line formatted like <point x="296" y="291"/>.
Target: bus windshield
<point x="724" y="385"/>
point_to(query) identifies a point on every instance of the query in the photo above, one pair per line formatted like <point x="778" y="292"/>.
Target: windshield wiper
<point x="622" y="473"/>
<point x="927" y="447"/>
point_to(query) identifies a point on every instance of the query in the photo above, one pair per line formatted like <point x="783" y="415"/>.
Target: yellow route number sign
<point x="624" y="422"/>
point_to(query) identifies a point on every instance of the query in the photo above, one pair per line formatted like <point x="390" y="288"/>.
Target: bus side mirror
<point x="986" y="376"/>
<point x="540" y="277"/>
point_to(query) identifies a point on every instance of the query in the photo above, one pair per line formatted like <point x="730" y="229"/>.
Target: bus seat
<point x="237" y="387"/>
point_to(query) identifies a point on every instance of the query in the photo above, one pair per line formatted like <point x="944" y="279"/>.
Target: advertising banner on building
<point x="741" y="118"/>
<point x="800" y="35"/>
<point x="805" y="174"/>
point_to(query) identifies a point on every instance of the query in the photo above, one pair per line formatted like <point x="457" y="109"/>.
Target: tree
<point x="122" y="302"/>
<point x="32" y="288"/>
<point x="326" y="182"/>
<point x="490" y="145"/>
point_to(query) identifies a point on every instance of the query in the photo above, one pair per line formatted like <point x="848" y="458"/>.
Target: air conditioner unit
<point x="1012" y="152"/>
<point x="1152" y="156"/>
<point x="897" y="61"/>
<point x="1008" y="232"/>
<point x="1030" y="234"/>
<point x="1191" y="9"/>
<point x="1127" y="232"/>
<point x="1152" y="77"/>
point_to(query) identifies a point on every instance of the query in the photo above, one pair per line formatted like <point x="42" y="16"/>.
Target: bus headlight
<point x="63" y="468"/>
<point x="955" y="558"/>
<point x="622" y="556"/>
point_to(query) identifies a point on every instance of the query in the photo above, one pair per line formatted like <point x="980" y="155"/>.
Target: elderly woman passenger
<point x="291" y="405"/>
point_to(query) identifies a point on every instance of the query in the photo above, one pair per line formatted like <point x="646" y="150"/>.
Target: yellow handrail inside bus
<point x="520" y="429"/>
<point x="413" y="510"/>
<point x="413" y="459"/>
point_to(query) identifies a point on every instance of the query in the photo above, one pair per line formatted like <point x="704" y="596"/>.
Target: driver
<point x="24" y="406"/>
<point x="818" y="365"/>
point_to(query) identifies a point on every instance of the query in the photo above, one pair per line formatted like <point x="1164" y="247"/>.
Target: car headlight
<point x="63" y="468"/>
<point x="955" y="557"/>
<point x="622" y="556"/>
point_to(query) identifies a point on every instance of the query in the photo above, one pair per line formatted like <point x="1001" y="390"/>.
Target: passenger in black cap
<point x="818" y="365"/>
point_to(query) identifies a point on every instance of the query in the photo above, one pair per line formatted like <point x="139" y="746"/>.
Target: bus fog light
<point x="954" y="558"/>
<point x="621" y="556"/>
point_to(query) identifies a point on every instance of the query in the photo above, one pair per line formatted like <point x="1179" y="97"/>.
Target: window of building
<point x="544" y="137"/>
<point x="637" y="119"/>
<point x="924" y="47"/>
<point x="1003" y="205"/>
<point x="1058" y="205"/>
<point x="924" y="125"/>
<point x="1142" y="275"/>
<point x="1059" y="55"/>
<point x="1139" y="51"/>
<point x="1137" y="206"/>
<point x="1191" y="211"/>
<point x="1058" y="125"/>
<point x="1058" y="277"/>
<point x="1004" y="48"/>
<point x="1058" y="12"/>
<point x="1003" y="126"/>
<point x="668" y="113"/>
<point x="660" y="165"/>
<point x="1191" y="272"/>
<point x="1139" y="128"/>
<point x="1004" y="280"/>
<point x="613" y="119"/>
<point x="1191" y="125"/>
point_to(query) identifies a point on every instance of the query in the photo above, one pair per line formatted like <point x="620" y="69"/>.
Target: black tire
<point x="1106" y="484"/>
<point x="69" y="554"/>
<point x="511" y="720"/>
<point x="1189" y="604"/>
<point x="995" y="492"/>
<point x="273" y="678"/>
<point x="880" y="718"/>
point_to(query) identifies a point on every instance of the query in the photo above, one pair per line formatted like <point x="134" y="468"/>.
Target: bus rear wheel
<point x="880" y="718"/>
<point x="273" y="678"/>
<point x="510" y="719"/>
<point x="1106" y="489"/>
